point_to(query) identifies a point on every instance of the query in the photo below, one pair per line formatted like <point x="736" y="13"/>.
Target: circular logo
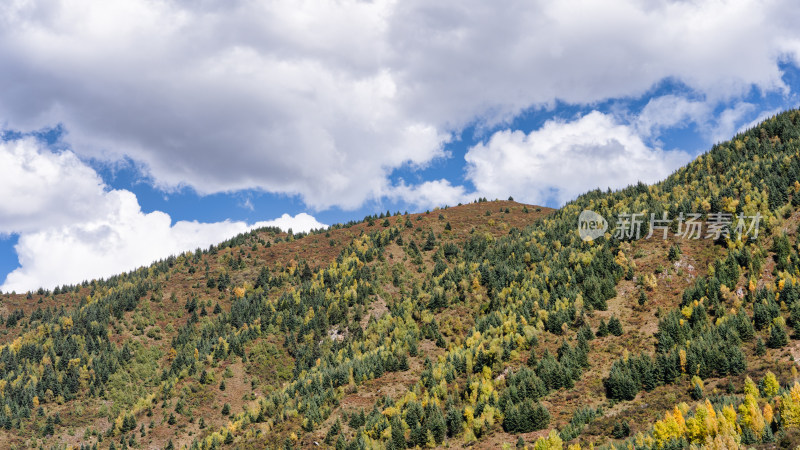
<point x="591" y="225"/>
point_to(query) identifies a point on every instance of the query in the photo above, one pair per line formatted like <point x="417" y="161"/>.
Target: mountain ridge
<point x="478" y="325"/>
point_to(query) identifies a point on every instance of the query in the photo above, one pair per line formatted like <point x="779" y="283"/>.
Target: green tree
<point x="620" y="384"/>
<point x="761" y="348"/>
<point x="454" y="420"/>
<point x="777" y="337"/>
<point x="357" y="420"/>
<point x="614" y="326"/>
<point x="430" y="243"/>
<point x="621" y="430"/>
<point x="398" y="435"/>
<point x="674" y="253"/>
<point x="419" y="435"/>
<point x="435" y="423"/>
<point x="602" y="330"/>
<point x="697" y="388"/>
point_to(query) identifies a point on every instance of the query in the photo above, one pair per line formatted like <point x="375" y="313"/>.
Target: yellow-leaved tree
<point x="750" y="388"/>
<point x="750" y="415"/>
<point x="790" y="407"/>
<point x="768" y="414"/>
<point x="704" y="424"/>
<point x="771" y="385"/>
<point x="673" y="426"/>
<point x="551" y="442"/>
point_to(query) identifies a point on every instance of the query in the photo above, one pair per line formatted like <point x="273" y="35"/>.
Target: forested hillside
<point x="487" y="324"/>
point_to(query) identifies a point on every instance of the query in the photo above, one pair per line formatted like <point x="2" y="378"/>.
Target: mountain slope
<point x="478" y="325"/>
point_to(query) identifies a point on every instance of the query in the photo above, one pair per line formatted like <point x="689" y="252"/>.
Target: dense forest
<point x="487" y="324"/>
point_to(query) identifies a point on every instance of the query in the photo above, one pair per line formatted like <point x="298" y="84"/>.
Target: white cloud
<point x="430" y="194"/>
<point x="72" y="228"/>
<point x="729" y="121"/>
<point x="668" y="111"/>
<point x="300" y="222"/>
<point x="490" y="61"/>
<point x="672" y="111"/>
<point x="564" y="159"/>
<point x="34" y="183"/>
<point x="324" y="99"/>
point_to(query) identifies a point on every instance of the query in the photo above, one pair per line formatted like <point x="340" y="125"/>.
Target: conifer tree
<point x="697" y="388"/>
<point x="454" y="420"/>
<point x="777" y="337"/>
<point x="602" y="330"/>
<point x="614" y="326"/>
<point x="761" y="348"/>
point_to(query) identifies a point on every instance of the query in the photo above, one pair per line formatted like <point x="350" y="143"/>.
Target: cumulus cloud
<point x="561" y="160"/>
<point x="729" y="121"/>
<point x="72" y="227"/>
<point x="529" y="53"/>
<point x="325" y="99"/>
<point x="669" y="111"/>
<point x="297" y="223"/>
<point x="45" y="187"/>
<point x="430" y="194"/>
<point x="674" y="111"/>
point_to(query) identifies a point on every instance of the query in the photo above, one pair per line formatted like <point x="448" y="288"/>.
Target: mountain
<point x="482" y="325"/>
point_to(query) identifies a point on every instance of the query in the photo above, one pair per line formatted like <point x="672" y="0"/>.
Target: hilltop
<point x="478" y="325"/>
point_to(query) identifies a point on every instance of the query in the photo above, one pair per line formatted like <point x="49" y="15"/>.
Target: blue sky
<point x="138" y="130"/>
